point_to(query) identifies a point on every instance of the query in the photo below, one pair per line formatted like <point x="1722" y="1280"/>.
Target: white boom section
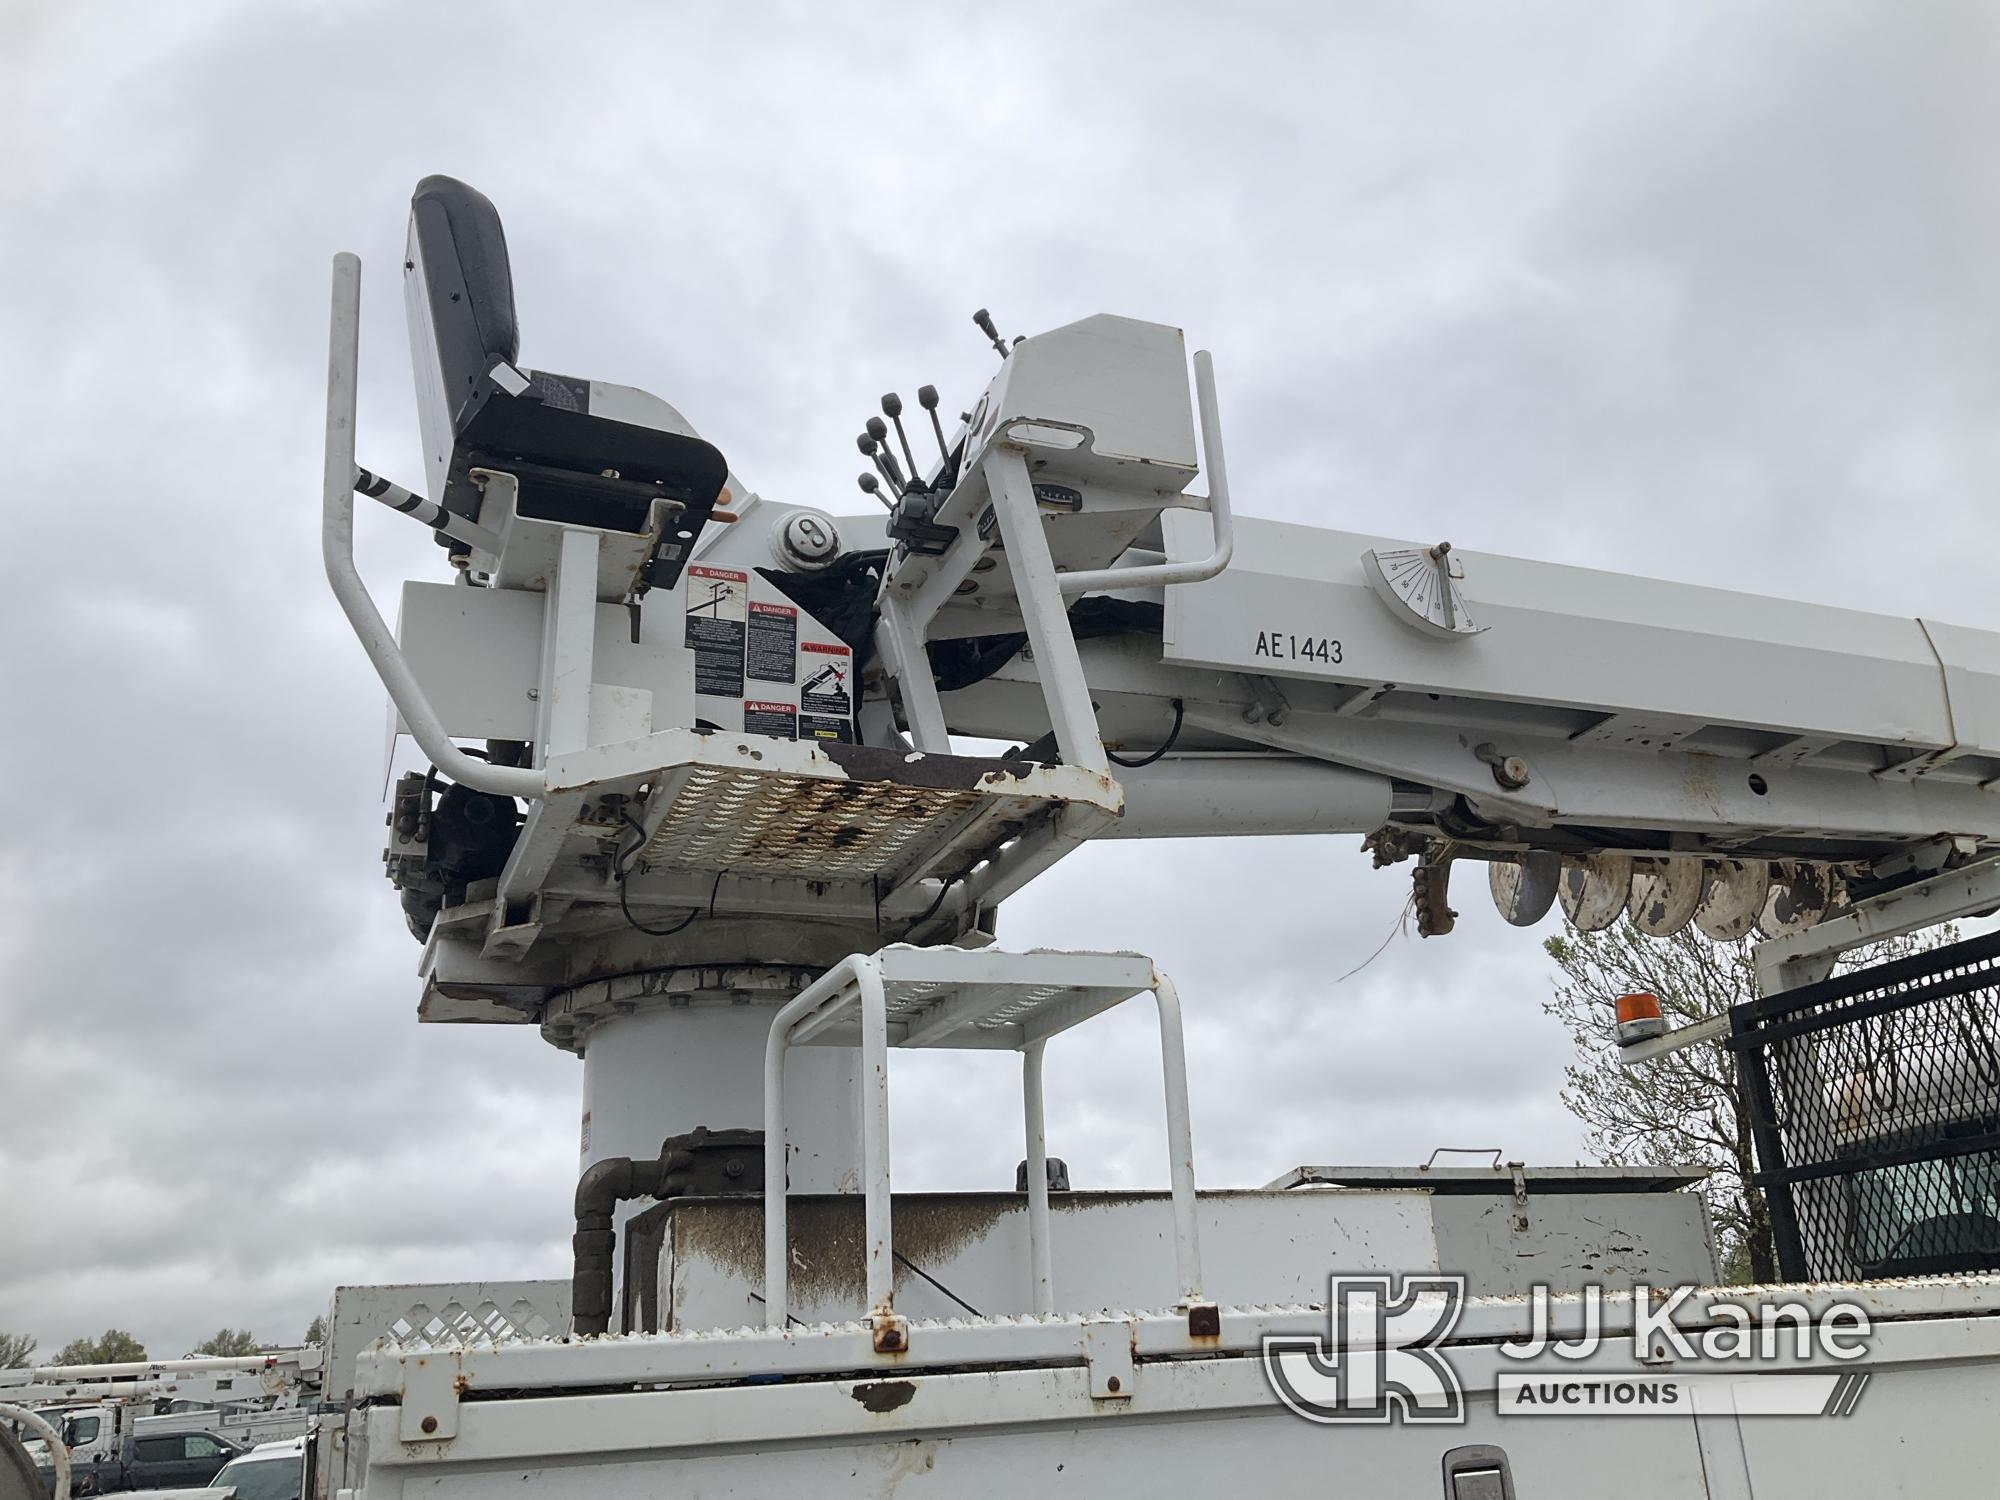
<point x="261" y="1379"/>
<point x="1607" y="661"/>
<point x="1665" y="663"/>
<point x="1619" y="703"/>
<point x="1633" y="703"/>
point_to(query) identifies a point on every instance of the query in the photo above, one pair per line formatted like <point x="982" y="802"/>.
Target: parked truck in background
<point x="147" y="1460"/>
<point x="168" y="1424"/>
<point x="271" y="1471"/>
<point x="126" y="1444"/>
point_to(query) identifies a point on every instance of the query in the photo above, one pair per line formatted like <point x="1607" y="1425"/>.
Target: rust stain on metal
<point x="779" y="823"/>
<point x="828" y="1240"/>
<point x="884" y="1395"/>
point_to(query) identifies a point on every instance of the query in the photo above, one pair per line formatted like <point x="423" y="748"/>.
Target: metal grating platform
<point x="951" y="998"/>
<point x="859" y="842"/>
<point x="796" y="825"/>
<point x="751" y="805"/>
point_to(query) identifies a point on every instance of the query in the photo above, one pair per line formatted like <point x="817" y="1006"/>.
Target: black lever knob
<point x="884" y="465"/>
<point x="927" y="398"/>
<point x="892" y="408"/>
<point x="985" y="321"/>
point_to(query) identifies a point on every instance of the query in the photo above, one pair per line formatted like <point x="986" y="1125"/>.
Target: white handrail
<point x="1195" y="570"/>
<point x="337" y="548"/>
<point x="1180" y="1137"/>
<point x="1041" y="1253"/>
<point x="865" y="974"/>
<point x="861" y="982"/>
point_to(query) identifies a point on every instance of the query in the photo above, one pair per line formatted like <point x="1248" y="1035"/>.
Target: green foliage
<point x="316" y="1331"/>
<point x="16" y="1349"/>
<point x="1736" y="1267"/>
<point x="229" y="1341"/>
<point x="116" y="1347"/>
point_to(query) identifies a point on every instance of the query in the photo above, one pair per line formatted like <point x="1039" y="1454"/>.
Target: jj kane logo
<point x="1382" y="1355"/>
<point x="1384" y="1359"/>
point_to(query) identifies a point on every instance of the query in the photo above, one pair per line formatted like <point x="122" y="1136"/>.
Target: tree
<point x="116" y="1347"/>
<point x="316" y="1331"/>
<point x="1687" y="1107"/>
<point x="229" y="1341"/>
<point x="16" y="1349"/>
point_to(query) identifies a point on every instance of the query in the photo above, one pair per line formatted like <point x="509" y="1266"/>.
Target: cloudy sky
<point x="1699" y="291"/>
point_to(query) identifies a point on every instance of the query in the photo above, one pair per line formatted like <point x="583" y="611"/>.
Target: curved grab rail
<point x="337" y="548"/>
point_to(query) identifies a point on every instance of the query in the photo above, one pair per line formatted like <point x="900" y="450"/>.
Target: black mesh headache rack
<point x="1875" y="1108"/>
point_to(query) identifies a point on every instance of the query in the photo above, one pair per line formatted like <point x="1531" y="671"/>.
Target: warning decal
<point x="823" y="689"/>
<point x="779" y="719"/>
<point x="774" y="642"/>
<point x="813" y="727"/>
<point x="717" y="602"/>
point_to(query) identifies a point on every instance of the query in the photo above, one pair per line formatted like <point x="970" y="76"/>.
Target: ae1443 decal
<point x="1280" y="645"/>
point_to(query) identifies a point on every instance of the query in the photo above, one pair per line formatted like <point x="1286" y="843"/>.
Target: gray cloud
<point x="1687" y="290"/>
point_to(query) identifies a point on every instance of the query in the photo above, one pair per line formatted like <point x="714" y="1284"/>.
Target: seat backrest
<point x="459" y="296"/>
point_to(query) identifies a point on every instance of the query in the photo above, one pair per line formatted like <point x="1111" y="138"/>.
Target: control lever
<point x="871" y="486"/>
<point x="878" y="433"/>
<point x="892" y="408"/>
<point x="927" y="398"/>
<point x="868" y="445"/>
<point x="985" y="321"/>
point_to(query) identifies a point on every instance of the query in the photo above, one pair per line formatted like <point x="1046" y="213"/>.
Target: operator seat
<point x="576" y="464"/>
